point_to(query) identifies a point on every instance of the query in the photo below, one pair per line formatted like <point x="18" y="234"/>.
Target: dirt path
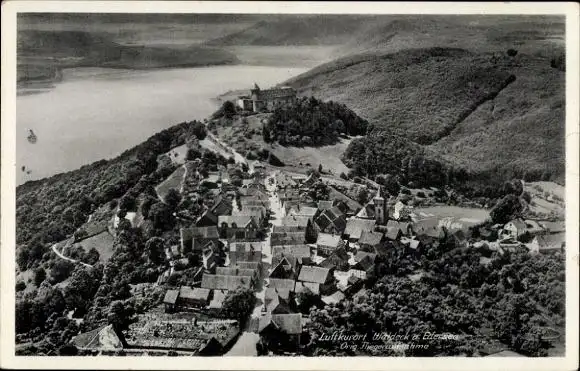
<point x="60" y="255"/>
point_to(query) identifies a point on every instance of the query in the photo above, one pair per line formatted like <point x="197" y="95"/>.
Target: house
<point x="285" y="267"/>
<point x="355" y="227"/>
<point x="238" y="227"/>
<point x="223" y="282"/>
<point x="212" y="181"/>
<point x="533" y="227"/>
<point x="326" y="243"/>
<point x="245" y="252"/>
<point x="515" y="228"/>
<point x="300" y="251"/>
<point x="175" y="252"/>
<point x="259" y="213"/>
<point x="338" y="260"/>
<point x="281" y="331"/>
<point x="193" y="297"/>
<point x="277" y="301"/>
<point x="193" y="239"/>
<point x="282" y="284"/>
<point x="310" y="286"/>
<point x="360" y="255"/>
<point x="256" y="265"/>
<point x="217" y="301"/>
<point x="283" y="181"/>
<point x="206" y="219"/>
<point x="429" y="228"/>
<point x="254" y="189"/>
<point x="331" y="220"/>
<point x="301" y="210"/>
<point x="170" y="300"/>
<point x="401" y="211"/>
<point x="548" y="243"/>
<point x="286" y="238"/>
<point x="222" y="206"/>
<point x="266" y="100"/>
<point x="353" y="284"/>
<point x="553" y="227"/>
<point x="322" y="276"/>
<point x="364" y="268"/>
<point x="405" y="228"/>
<point x="393" y="233"/>
<point x="295" y="223"/>
<point x="211" y="254"/>
<point x="324" y="205"/>
<point x="237" y="271"/>
<point x="370" y="239"/>
<point x="334" y="298"/>
<point x="253" y="201"/>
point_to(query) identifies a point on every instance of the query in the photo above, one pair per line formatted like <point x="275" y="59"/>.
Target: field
<point x="453" y="216"/>
<point x="248" y="137"/>
<point x="173" y="181"/>
<point x="547" y="198"/>
<point x="102" y="242"/>
<point x="178" y="154"/>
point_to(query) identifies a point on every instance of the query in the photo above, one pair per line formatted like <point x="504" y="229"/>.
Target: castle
<point x="266" y="100"/>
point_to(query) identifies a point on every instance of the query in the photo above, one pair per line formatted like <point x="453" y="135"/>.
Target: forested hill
<point x="50" y="209"/>
<point x="298" y="30"/>
<point x="41" y="52"/>
<point x="497" y="112"/>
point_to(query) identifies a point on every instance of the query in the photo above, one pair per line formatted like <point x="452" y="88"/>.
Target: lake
<point x="97" y="113"/>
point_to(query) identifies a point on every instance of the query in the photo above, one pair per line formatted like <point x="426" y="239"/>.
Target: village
<point x="270" y="236"/>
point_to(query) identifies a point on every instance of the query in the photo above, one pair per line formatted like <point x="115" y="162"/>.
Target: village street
<point x="246" y="344"/>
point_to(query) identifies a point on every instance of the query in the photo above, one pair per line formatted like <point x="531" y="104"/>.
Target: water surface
<point x="97" y="113"/>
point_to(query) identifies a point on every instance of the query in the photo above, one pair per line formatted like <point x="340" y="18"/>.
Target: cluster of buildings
<point x="260" y="100"/>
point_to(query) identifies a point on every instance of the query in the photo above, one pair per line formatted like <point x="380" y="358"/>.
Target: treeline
<point x="311" y="122"/>
<point x="381" y="154"/>
<point x="515" y="300"/>
<point x="51" y="209"/>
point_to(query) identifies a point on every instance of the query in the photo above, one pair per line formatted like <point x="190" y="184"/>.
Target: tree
<point x="192" y="154"/>
<point x="20" y="286"/>
<point x="320" y="168"/>
<point x="160" y="215"/>
<point x="39" y="276"/>
<point x="173" y="198"/>
<point x="512" y="52"/>
<point x="238" y="304"/>
<point x="120" y="315"/>
<point x="155" y="248"/>
<point x="227" y="110"/>
<point x="506" y="209"/>
<point x="307" y="299"/>
<point x="91" y="257"/>
<point x="61" y="270"/>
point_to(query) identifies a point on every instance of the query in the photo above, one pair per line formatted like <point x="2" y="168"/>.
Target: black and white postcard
<point x="265" y="185"/>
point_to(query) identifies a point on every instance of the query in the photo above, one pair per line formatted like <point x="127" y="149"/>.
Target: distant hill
<point x="483" y="111"/>
<point x="297" y="30"/>
<point x="41" y="53"/>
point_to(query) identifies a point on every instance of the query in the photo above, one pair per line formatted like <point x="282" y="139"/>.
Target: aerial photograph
<point x="204" y="184"/>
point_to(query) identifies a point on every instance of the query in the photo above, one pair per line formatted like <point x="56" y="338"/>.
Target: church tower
<point x="380" y="208"/>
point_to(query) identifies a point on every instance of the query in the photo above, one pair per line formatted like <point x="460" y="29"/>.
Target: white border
<point x="8" y="106"/>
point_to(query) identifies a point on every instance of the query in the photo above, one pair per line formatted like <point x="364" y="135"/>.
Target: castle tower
<point x="255" y="94"/>
<point x="380" y="208"/>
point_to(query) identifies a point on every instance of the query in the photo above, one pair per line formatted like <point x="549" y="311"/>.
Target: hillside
<point x="469" y="107"/>
<point x="297" y="30"/>
<point x="42" y="53"/>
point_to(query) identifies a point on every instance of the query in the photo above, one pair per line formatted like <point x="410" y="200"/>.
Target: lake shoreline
<point x="94" y="115"/>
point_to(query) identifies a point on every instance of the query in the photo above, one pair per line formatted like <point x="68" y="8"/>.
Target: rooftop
<point x="313" y="274"/>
